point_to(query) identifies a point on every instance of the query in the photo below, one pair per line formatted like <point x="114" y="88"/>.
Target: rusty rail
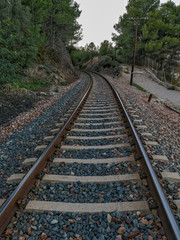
<point x="9" y="207"/>
<point x="169" y="222"/>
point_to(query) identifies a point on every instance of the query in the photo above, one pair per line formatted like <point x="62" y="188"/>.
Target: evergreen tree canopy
<point x="18" y="38"/>
<point x="106" y="48"/>
<point x="161" y="33"/>
<point x="126" y="27"/>
<point x="28" y="25"/>
<point x="56" y="18"/>
<point x="157" y="36"/>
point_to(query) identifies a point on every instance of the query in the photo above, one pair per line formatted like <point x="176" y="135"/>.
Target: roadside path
<point x="145" y="81"/>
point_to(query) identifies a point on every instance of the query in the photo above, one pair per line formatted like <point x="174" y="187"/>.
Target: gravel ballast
<point x="161" y="122"/>
<point x="92" y="170"/>
<point x="104" y="226"/>
<point x="116" y="226"/>
<point x="94" y="153"/>
<point x="21" y="144"/>
<point x="96" y="142"/>
<point x="90" y="193"/>
<point x="95" y="133"/>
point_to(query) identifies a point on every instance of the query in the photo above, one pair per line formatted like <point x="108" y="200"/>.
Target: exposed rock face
<point x="104" y="64"/>
<point x="62" y="59"/>
<point x="95" y="63"/>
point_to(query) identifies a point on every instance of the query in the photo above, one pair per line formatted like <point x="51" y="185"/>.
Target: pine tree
<point x="126" y="27"/>
<point x="17" y="39"/>
<point x="161" y="33"/>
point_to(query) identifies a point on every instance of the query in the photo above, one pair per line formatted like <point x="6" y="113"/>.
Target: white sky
<point x="98" y="18"/>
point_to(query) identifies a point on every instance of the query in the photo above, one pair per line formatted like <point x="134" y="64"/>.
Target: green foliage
<point x="139" y="87"/>
<point x="161" y="33"/>
<point x="158" y="36"/>
<point x="31" y="83"/>
<point x="56" y="18"/>
<point x="17" y="41"/>
<point x="91" y="49"/>
<point x="80" y="56"/>
<point x="126" y="28"/>
<point x="171" y="88"/>
<point x="64" y="83"/>
<point x="108" y="62"/>
<point x="25" y="28"/>
<point x="106" y="48"/>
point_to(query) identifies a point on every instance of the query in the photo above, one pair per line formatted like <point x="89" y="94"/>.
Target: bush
<point x="171" y="88"/>
<point x="108" y="62"/>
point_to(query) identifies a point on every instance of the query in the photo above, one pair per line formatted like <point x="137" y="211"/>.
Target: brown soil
<point x="13" y="102"/>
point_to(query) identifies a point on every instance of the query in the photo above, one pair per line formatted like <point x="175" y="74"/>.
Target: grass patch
<point x="139" y="87"/>
<point x="31" y="83"/>
<point x="63" y="83"/>
<point x="171" y="88"/>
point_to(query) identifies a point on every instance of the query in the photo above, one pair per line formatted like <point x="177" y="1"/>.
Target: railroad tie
<point x="96" y="124"/>
<point x="30" y="161"/>
<point x="160" y="158"/>
<point x="99" y="119"/>
<point x="151" y="143"/>
<point x="48" y="178"/>
<point x="40" y="148"/>
<point x="41" y="206"/>
<point x="55" y="131"/>
<point x="146" y="134"/>
<point x="15" y="178"/>
<point x="173" y="176"/>
<point x="94" y="161"/>
<point x="177" y="202"/>
<point x="98" y="114"/>
<point x="73" y="147"/>
<point x="96" y="138"/>
<point x="49" y="138"/>
<point x="2" y="201"/>
<point x="97" y="130"/>
<point x="141" y="126"/>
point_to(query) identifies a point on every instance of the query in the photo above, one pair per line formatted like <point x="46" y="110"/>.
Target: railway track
<point x="93" y="181"/>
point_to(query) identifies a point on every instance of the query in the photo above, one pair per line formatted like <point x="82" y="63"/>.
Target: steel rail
<point x="170" y="225"/>
<point x="9" y="207"/>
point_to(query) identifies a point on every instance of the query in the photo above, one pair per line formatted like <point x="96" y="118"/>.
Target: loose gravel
<point x="109" y="115"/>
<point x="95" y="153"/>
<point x="172" y="189"/>
<point x="21" y="144"/>
<point x="95" y="133"/>
<point x="98" y="126"/>
<point x="90" y="193"/>
<point x="161" y="122"/>
<point x="92" y="170"/>
<point x="101" y="121"/>
<point x="115" y="226"/>
<point x="77" y="142"/>
<point x="103" y="226"/>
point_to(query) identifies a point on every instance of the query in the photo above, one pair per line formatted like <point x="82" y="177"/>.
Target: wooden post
<point x="172" y="75"/>
<point x="150" y="97"/>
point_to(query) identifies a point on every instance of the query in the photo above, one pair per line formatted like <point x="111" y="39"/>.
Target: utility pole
<point x="136" y="20"/>
<point x="134" y="55"/>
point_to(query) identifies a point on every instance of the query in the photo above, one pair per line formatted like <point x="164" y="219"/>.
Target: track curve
<point x="91" y="166"/>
